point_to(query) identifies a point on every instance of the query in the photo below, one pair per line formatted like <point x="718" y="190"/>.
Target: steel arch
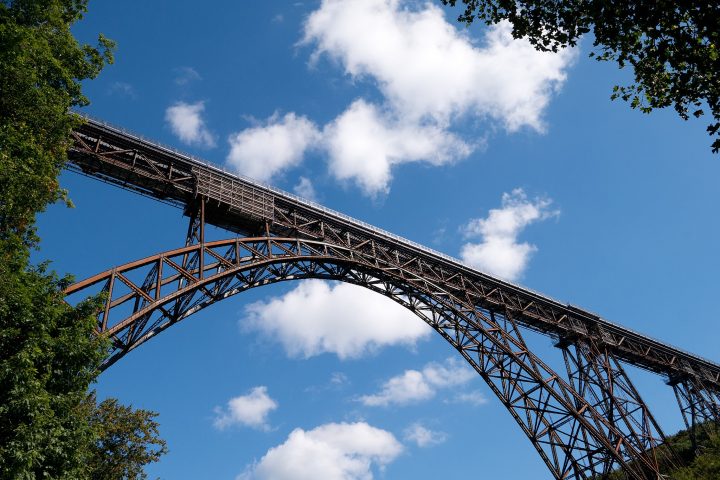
<point x="572" y="436"/>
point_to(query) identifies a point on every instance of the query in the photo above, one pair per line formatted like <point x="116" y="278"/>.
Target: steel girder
<point x="699" y="405"/>
<point x="582" y="428"/>
<point x="572" y="434"/>
<point x="244" y="206"/>
<point x="601" y="379"/>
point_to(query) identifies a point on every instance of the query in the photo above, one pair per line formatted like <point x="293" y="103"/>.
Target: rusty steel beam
<point x="583" y="426"/>
<point x="574" y="438"/>
<point x="601" y="379"/>
<point x="241" y="205"/>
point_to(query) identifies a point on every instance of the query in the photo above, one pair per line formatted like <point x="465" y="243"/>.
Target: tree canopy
<point x="126" y="440"/>
<point x="48" y="353"/>
<point x="672" y="47"/>
<point x="42" y="66"/>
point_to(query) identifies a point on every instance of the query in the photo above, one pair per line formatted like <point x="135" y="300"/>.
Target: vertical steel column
<point x="699" y="406"/>
<point x="196" y="227"/>
<point x="193" y="264"/>
<point x="599" y="378"/>
<point x="195" y="235"/>
<point x="575" y="439"/>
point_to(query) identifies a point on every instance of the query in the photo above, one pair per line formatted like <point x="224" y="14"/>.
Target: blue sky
<point x="457" y="138"/>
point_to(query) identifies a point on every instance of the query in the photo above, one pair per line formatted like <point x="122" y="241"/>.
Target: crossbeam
<point x="242" y="205"/>
<point x="575" y="439"/>
<point x="585" y="426"/>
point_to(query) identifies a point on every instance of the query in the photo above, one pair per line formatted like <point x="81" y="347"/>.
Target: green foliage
<point x="673" y="47"/>
<point x="48" y="353"/>
<point x="48" y="357"/>
<point x="41" y="67"/>
<point x="703" y="464"/>
<point x="126" y="441"/>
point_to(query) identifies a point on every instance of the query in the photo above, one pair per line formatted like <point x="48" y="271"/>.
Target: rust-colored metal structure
<point x="584" y="423"/>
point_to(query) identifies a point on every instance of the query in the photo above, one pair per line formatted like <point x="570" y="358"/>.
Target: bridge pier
<point x="582" y="425"/>
<point x="700" y="406"/>
<point x="597" y="375"/>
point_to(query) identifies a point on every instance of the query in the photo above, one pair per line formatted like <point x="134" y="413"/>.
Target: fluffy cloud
<point x="334" y="451"/>
<point x="186" y="122"/>
<point x="318" y="317"/>
<point x="422" y="436"/>
<point x="413" y="386"/>
<point x="263" y="151"/>
<point x="430" y="75"/>
<point x="363" y="144"/>
<point x="409" y="387"/>
<point x="426" y="67"/>
<point x="305" y="189"/>
<point x="499" y="252"/>
<point x="249" y="410"/>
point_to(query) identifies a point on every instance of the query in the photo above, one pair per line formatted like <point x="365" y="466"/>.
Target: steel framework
<point x="583" y="425"/>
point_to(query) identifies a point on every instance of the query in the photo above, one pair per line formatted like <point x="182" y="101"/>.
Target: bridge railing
<point x="371" y="228"/>
<point x="303" y="201"/>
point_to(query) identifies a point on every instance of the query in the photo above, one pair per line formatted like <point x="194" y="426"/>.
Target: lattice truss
<point x="583" y="427"/>
<point x="700" y="406"/>
<point x="584" y="423"/>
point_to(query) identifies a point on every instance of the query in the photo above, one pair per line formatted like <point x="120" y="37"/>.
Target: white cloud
<point x="425" y="66"/>
<point x="499" y="252"/>
<point x="430" y="74"/>
<point x="413" y="386"/>
<point x="186" y="122"/>
<point x="186" y="75"/>
<point x="409" y="387"/>
<point x="305" y="189"/>
<point x="249" y="410"/>
<point x="334" y="451"/>
<point x="423" y="436"/>
<point x="263" y="151"/>
<point x="363" y="144"/>
<point x="318" y="317"/>
<point x="475" y="398"/>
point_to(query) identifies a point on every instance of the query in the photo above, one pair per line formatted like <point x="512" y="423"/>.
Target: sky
<point x="461" y="139"/>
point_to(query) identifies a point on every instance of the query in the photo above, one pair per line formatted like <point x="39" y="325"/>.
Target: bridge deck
<point x="242" y="205"/>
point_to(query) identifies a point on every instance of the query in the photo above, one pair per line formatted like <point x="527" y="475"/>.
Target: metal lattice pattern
<point x="584" y="425"/>
<point x="244" y="206"/>
<point x="698" y="405"/>
<point x="598" y="377"/>
<point x="572" y="435"/>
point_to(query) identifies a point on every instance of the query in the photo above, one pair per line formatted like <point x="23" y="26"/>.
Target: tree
<point x="703" y="462"/>
<point x="706" y="466"/>
<point x="42" y="66"/>
<point x="48" y="356"/>
<point x="673" y="47"/>
<point x="47" y="360"/>
<point x="126" y="441"/>
<point x="48" y="353"/>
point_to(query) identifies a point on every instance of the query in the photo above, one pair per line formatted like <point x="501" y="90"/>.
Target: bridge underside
<point x="583" y="424"/>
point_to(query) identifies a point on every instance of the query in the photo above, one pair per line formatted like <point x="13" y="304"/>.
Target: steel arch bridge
<point x="584" y="422"/>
